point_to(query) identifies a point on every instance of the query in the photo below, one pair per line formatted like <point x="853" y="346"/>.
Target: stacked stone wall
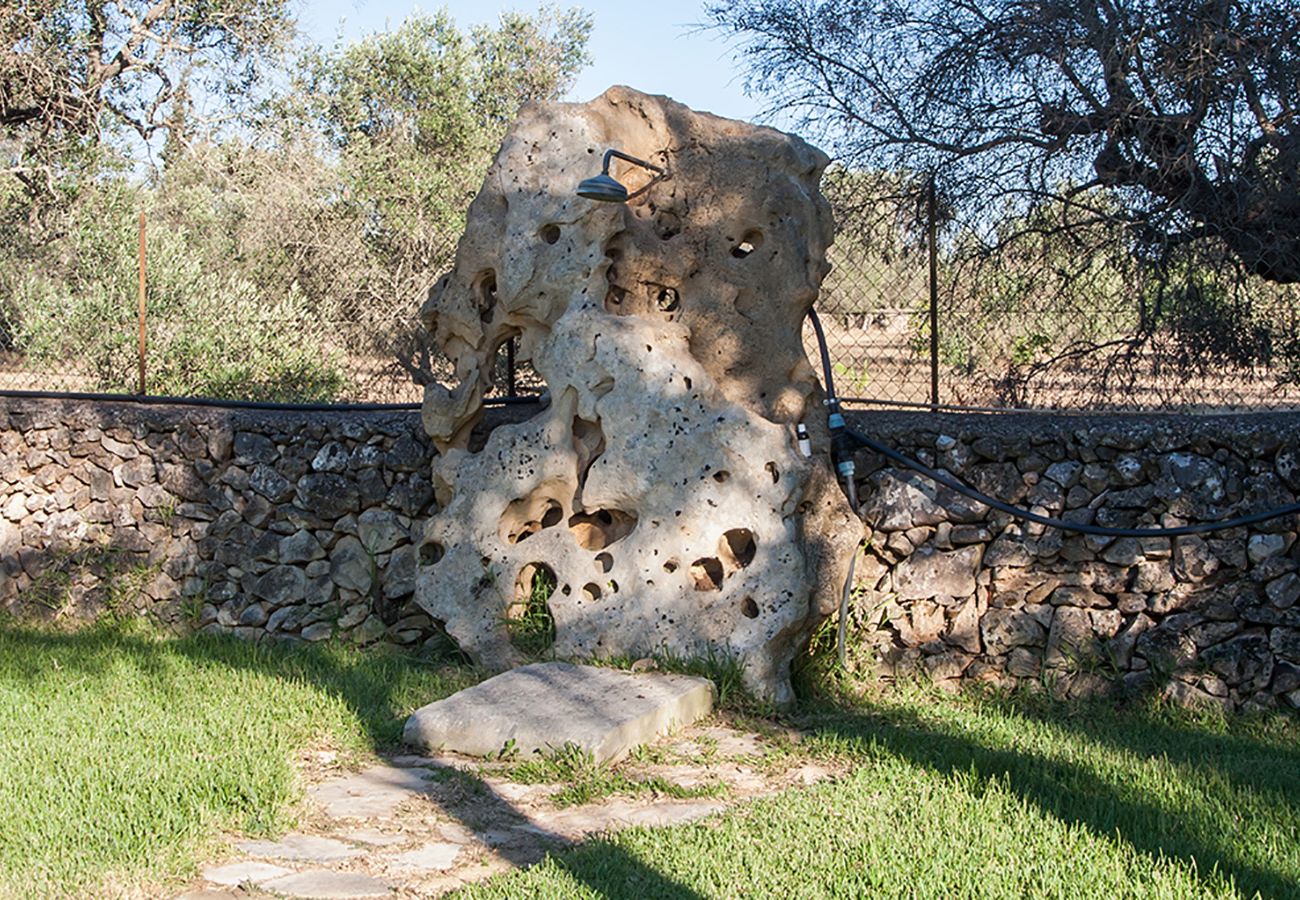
<point x="303" y="526"/>
<point x="956" y="592"/>
<point x="291" y="524"/>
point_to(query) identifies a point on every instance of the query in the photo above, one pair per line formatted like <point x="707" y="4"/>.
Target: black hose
<point x="950" y="482"/>
<point x="149" y="400"/>
<point x="825" y="353"/>
<point x="844" y="464"/>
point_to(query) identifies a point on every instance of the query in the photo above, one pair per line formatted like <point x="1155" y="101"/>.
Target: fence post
<point x="931" y="228"/>
<point x="141" y="383"/>
<point x="510" y="367"/>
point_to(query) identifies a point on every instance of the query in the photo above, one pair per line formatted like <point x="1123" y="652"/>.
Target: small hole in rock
<point x="668" y="224"/>
<point x="721" y="476"/>
<point x="597" y="530"/>
<point x="670" y="566"/>
<point x="748" y="244"/>
<point x="485" y="288"/>
<point x="525" y="517"/>
<point x="668" y="300"/>
<point x="613" y="586"/>
<point x="591" y="591"/>
<point x="748" y="608"/>
<point x="604" y="562"/>
<point x="707" y="574"/>
<point x="738" y="545"/>
<point x="529" y="623"/>
<point x="431" y="553"/>
<point x="773" y="471"/>
<point x="550" y="233"/>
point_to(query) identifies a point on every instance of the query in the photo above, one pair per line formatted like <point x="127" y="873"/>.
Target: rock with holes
<point x="657" y="500"/>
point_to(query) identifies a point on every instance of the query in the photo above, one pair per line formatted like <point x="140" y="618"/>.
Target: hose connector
<point x="842" y="446"/>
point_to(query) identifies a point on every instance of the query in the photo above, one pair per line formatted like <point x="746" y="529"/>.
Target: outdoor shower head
<point x="604" y="187"/>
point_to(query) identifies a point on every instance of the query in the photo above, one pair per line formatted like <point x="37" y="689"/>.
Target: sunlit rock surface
<point x="661" y="486"/>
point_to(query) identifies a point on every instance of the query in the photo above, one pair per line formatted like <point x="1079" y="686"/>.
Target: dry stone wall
<point x="301" y="526"/>
<point x="256" y="523"/>
<point x="956" y="592"/>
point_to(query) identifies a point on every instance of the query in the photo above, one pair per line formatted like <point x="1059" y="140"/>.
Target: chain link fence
<point x="301" y="307"/>
<point x="994" y="312"/>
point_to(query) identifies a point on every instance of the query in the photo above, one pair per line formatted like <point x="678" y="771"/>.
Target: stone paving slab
<point x="301" y="847"/>
<point x="243" y="872"/>
<point x="430" y="857"/>
<point x="326" y="884"/>
<point x="579" y="822"/>
<point x="373" y="793"/>
<point x="544" y="706"/>
<point x="374" y="837"/>
<point x="471" y="821"/>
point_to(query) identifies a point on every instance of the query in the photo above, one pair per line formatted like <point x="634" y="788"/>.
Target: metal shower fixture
<point x="605" y="188"/>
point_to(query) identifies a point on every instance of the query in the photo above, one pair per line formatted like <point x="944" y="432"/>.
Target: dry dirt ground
<point x="420" y="826"/>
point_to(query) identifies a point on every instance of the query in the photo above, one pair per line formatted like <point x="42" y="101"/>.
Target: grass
<point x="726" y="673"/>
<point x="529" y="624"/>
<point x="123" y="754"/>
<point x="586" y="781"/>
<point x="982" y="797"/>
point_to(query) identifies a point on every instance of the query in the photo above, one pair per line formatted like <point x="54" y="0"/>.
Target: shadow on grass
<point x="1075" y="794"/>
<point x="379" y="686"/>
<point x="1238" y="769"/>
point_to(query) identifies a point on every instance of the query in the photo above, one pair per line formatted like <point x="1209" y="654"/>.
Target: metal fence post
<point x="931" y="228"/>
<point x="141" y="384"/>
<point x="510" y="367"/>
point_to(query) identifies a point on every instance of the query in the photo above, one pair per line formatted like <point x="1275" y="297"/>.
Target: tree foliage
<point x="415" y="115"/>
<point x="288" y="248"/>
<point x="1184" y="110"/>
<point x="1140" y="158"/>
<point x="73" y="71"/>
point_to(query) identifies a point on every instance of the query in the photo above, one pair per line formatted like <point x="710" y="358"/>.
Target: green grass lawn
<point x="971" y="797"/>
<point x="123" y="756"/>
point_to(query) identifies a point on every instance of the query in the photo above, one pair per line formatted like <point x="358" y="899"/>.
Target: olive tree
<point x="1157" y="139"/>
<point x="74" y="71"/>
<point x="1186" y="109"/>
<point x="414" y="116"/>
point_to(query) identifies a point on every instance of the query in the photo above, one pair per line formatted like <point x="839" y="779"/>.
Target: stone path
<point x="420" y="826"/>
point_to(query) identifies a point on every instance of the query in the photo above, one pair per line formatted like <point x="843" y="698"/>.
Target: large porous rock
<point x="660" y="486"/>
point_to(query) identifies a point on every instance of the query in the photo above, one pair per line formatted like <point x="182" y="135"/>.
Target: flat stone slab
<point x="324" y="884"/>
<point x="241" y="872"/>
<point x="302" y="847"/>
<point x="429" y="858"/>
<point x="543" y="706"/>
<point x="374" y="838"/>
<point x="370" y="794"/>
<point x="580" y="822"/>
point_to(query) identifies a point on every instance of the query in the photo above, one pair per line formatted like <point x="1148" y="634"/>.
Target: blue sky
<point x="649" y="46"/>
